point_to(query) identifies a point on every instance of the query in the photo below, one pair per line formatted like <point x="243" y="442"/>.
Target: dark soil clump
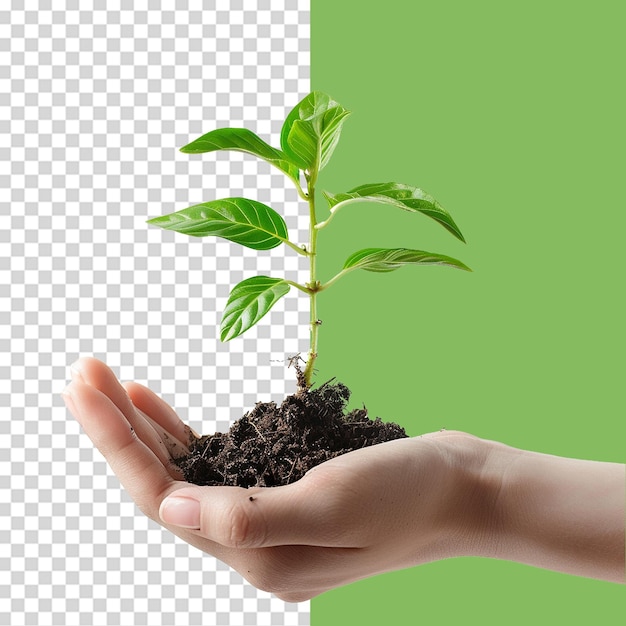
<point x="276" y="445"/>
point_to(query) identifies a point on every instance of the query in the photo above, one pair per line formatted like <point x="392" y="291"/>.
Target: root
<point x="295" y="361"/>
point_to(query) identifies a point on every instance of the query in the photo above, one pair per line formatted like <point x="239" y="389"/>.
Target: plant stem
<point x="295" y="247"/>
<point x="313" y="284"/>
<point x="334" y="279"/>
<point x="335" y="209"/>
<point x="299" y="286"/>
<point x="301" y="193"/>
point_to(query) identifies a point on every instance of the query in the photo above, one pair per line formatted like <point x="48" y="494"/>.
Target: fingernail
<point x="179" y="511"/>
<point x="69" y="401"/>
<point x="75" y="373"/>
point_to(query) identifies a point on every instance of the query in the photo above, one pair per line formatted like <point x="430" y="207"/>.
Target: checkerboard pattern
<point x="96" y="97"/>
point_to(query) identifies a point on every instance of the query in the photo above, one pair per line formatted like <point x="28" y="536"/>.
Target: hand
<point x="377" y="509"/>
<point x="386" y="507"/>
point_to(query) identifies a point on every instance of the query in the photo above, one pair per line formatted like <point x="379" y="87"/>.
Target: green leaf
<point x="405" y="197"/>
<point x="247" y="222"/>
<point x="389" y="259"/>
<point x="242" y="140"/>
<point x="311" y="131"/>
<point x="248" y="302"/>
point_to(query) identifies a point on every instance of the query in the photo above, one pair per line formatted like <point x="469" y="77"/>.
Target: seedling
<point x="308" y="139"/>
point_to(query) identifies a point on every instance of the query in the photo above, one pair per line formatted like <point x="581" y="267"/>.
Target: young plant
<point x="308" y="138"/>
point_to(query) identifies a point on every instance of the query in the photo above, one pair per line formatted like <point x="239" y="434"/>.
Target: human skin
<point x="386" y="507"/>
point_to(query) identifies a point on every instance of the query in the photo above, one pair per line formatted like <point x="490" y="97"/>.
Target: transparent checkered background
<point x="96" y="97"/>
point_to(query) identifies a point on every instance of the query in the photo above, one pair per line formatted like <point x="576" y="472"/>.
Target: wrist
<point x="470" y="492"/>
<point x="547" y="511"/>
<point x="485" y="514"/>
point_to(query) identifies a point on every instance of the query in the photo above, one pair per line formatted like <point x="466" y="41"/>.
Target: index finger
<point x="140" y="471"/>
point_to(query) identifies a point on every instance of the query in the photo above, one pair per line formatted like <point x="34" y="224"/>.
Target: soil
<point x="275" y="445"/>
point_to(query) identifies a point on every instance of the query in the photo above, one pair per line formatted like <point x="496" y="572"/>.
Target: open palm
<point x="372" y="510"/>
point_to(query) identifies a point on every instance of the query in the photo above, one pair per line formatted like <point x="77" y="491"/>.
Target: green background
<point x="512" y="116"/>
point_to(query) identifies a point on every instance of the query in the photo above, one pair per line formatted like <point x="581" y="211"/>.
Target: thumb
<point x="251" y="518"/>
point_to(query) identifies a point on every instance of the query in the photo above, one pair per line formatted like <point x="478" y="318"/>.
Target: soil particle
<point x="275" y="445"/>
